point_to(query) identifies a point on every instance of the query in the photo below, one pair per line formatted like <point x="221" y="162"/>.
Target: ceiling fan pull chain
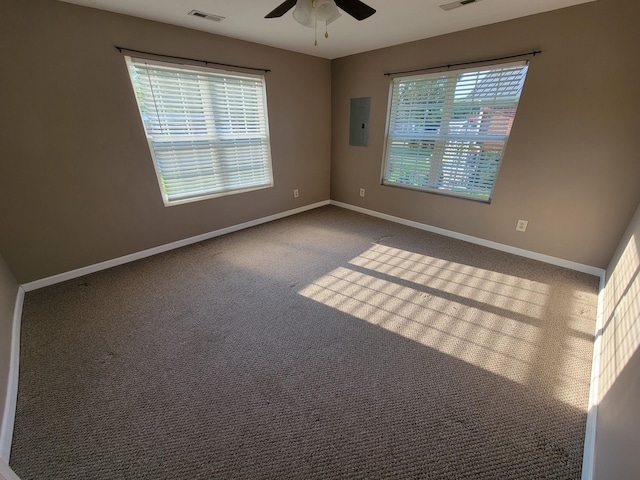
<point x="326" y="30"/>
<point x="315" y="43"/>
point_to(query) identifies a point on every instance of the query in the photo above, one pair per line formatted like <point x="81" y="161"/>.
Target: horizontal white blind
<point x="207" y="130"/>
<point x="447" y="131"/>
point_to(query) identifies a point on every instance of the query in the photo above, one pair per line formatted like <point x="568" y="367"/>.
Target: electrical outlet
<point x="362" y="192"/>
<point x="296" y="194"/>
<point x="521" y="226"/>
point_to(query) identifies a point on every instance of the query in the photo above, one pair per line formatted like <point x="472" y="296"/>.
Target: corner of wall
<point x="617" y="384"/>
<point x="8" y="416"/>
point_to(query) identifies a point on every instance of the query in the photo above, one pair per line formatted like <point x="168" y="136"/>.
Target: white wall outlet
<point x="296" y="194"/>
<point x="362" y="192"/>
<point x="521" y="226"/>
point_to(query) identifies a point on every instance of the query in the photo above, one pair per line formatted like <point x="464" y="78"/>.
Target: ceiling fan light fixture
<point x="326" y="11"/>
<point x="307" y="12"/>
<point x="355" y="8"/>
<point x="303" y="13"/>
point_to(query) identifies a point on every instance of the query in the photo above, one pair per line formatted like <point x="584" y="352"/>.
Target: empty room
<point x="319" y="239"/>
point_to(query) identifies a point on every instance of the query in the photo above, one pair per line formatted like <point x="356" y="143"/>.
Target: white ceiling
<point x="394" y="22"/>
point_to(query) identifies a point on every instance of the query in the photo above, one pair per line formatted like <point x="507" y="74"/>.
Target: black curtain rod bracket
<point x="206" y="62"/>
<point x="532" y="53"/>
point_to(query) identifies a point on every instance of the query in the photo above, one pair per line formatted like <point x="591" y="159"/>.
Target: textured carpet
<point x="325" y="345"/>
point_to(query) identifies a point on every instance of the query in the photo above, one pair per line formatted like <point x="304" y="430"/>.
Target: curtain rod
<point x="533" y="53"/>
<point x="206" y="62"/>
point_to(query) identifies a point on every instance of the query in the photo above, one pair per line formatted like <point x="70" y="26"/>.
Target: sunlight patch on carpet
<point x="456" y="309"/>
<point x="503" y="291"/>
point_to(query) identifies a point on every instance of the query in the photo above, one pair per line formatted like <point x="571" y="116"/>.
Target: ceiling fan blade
<point x="355" y="8"/>
<point x="281" y="9"/>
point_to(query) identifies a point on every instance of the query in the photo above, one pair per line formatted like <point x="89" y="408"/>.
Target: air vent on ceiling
<point x="460" y="3"/>
<point x="208" y="16"/>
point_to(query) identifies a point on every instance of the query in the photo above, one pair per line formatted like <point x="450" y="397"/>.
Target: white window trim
<point x="150" y="140"/>
<point x="431" y="190"/>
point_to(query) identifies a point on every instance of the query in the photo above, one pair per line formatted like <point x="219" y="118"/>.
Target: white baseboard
<point x="9" y="415"/>
<point x="62" y="277"/>
<point x="6" y="473"/>
<point x="6" y="432"/>
<point x="598" y="272"/>
<point x="589" y="456"/>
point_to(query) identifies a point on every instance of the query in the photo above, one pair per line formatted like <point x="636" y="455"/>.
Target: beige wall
<point x="618" y="425"/>
<point x="8" y="294"/>
<point x="78" y="184"/>
<point x="571" y="167"/>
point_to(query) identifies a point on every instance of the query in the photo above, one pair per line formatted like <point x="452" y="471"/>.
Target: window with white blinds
<point x="447" y="132"/>
<point x="207" y="130"/>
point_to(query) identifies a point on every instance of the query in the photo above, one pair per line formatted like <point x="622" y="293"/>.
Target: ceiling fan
<point x="355" y="8"/>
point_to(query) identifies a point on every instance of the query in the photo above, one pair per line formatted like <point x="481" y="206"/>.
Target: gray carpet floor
<point x="321" y="346"/>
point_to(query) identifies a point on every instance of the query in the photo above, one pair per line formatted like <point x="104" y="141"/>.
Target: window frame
<point x="225" y="190"/>
<point x="443" y="137"/>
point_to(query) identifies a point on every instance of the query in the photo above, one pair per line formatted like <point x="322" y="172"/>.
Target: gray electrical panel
<point x="359" y="123"/>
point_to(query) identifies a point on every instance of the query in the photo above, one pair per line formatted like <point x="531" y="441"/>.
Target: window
<point x="207" y="130"/>
<point x="447" y="132"/>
